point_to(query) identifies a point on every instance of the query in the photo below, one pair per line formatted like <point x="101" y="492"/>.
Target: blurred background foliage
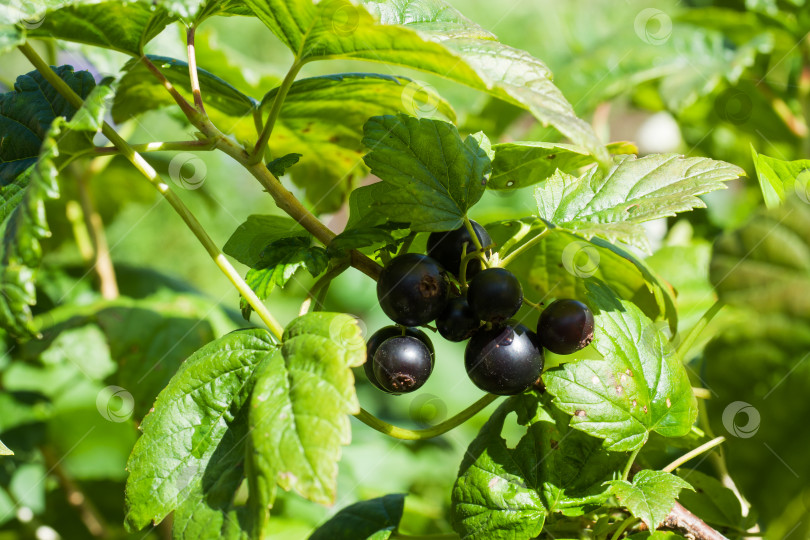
<point x="695" y="77"/>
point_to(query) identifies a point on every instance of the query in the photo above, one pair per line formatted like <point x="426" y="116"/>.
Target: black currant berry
<point x="505" y="360"/>
<point x="377" y="339"/>
<point x="565" y="326"/>
<point x="457" y="322"/>
<point x="412" y="289"/>
<point x="447" y="246"/>
<point x="495" y="295"/>
<point x="402" y="364"/>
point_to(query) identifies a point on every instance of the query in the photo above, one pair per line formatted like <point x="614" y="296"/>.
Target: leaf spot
<point x="580" y="413"/>
<point x="669" y="403"/>
<point x="595" y="380"/>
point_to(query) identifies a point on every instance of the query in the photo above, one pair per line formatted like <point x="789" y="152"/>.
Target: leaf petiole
<point x="511" y="257"/>
<point x="694" y="453"/>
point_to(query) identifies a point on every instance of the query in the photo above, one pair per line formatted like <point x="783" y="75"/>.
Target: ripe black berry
<point x="565" y="326"/>
<point x="377" y="339"/>
<point x="506" y="360"/>
<point x="412" y="289"/>
<point x="495" y="295"/>
<point x="457" y="322"/>
<point x="446" y="247"/>
<point x="402" y="364"/>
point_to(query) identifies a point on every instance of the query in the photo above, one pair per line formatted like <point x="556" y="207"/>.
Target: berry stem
<point x="154" y="178"/>
<point x="321" y="286"/>
<point x="694" y="453"/>
<point x="421" y="434"/>
<point x="511" y="257"/>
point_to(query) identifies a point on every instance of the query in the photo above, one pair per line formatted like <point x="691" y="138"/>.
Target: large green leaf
<point x="430" y="175"/>
<point x="122" y="26"/>
<point x="505" y="492"/>
<point x="711" y="501"/>
<point x="10" y="37"/>
<point x="562" y="264"/>
<point x="766" y="263"/>
<point x="521" y="164"/>
<point x="374" y="519"/>
<point x="183" y="436"/>
<point x="300" y="409"/>
<point x="651" y="496"/>
<point x="27" y="224"/>
<point x="428" y="35"/>
<point x="639" y="386"/>
<point x="614" y="203"/>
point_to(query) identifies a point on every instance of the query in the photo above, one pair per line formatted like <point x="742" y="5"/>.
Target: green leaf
<point x="26" y="114"/>
<point x="614" y="203"/>
<point x="4" y="450"/>
<point x="639" y="386"/>
<point x="300" y="408"/>
<point x="521" y="164"/>
<point x="191" y="418"/>
<point x="651" y="496"/>
<point x="139" y="91"/>
<point x="10" y="37"/>
<point x="359" y="238"/>
<point x="278" y="167"/>
<point x="251" y="237"/>
<point x="766" y="263"/>
<point x="374" y="519"/>
<point x="562" y="264"/>
<point x="27" y="224"/>
<point x="428" y="35"/>
<point x="506" y="492"/>
<point x="711" y="501"/>
<point x="121" y="26"/>
<point x="279" y="262"/>
<point x="430" y="176"/>
<point x="778" y="179"/>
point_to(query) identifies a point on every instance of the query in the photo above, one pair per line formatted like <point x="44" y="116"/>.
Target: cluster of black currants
<point x="502" y="356"/>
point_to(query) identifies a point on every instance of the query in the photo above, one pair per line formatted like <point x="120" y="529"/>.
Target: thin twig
<point x="192" y="70"/>
<point x="102" y="262"/>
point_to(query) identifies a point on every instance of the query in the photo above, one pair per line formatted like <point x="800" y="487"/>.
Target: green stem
<point x="275" y="110"/>
<point x="626" y="524"/>
<point x="511" y="257"/>
<point x="321" y="284"/>
<point x="694" y="453"/>
<point x="473" y="235"/>
<point x="421" y="434"/>
<point x="695" y="332"/>
<point x="192" y="70"/>
<point x="194" y="116"/>
<point x="626" y="473"/>
<point x="447" y="536"/>
<point x="149" y="172"/>
<point x="517" y="237"/>
<point x="171" y="146"/>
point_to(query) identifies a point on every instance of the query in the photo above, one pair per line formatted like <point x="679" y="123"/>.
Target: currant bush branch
<point x="192" y="70"/>
<point x="149" y="172"/>
<point x="421" y="434"/>
<point x="275" y="110"/>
